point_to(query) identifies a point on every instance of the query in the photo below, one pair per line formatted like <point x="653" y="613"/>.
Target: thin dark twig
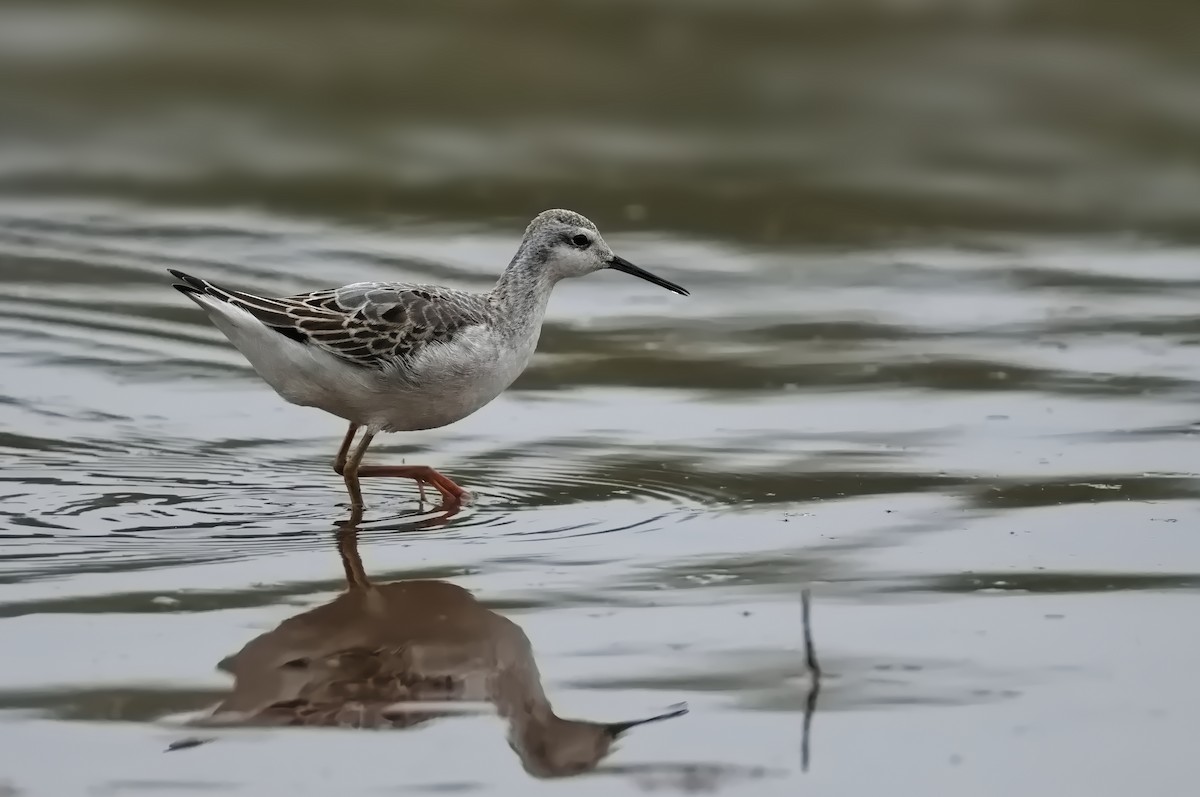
<point x="810" y="650"/>
<point x="814" y="672"/>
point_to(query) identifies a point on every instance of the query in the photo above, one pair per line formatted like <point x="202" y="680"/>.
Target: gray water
<point x="940" y="365"/>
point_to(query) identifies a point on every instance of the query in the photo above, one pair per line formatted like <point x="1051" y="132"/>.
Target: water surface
<point x="939" y="364"/>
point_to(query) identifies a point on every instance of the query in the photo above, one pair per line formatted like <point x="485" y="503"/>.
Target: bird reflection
<point x="393" y="656"/>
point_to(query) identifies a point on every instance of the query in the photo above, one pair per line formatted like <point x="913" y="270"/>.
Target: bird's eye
<point x="581" y="241"/>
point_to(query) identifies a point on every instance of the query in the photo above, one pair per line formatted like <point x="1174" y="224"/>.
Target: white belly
<point x="450" y="382"/>
<point x="445" y="383"/>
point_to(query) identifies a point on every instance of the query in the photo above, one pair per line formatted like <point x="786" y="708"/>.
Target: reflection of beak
<point x="621" y="264"/>
<point x="615" y="729"/>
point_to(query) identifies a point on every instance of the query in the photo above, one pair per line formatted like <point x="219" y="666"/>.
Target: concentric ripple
<point x="100" y="507"/>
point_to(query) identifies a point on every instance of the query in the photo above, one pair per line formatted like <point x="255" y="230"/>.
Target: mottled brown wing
<point x="371" y="324"/>
<point x="361" y="687"/>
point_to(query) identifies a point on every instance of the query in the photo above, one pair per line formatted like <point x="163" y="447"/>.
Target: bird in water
<point x="398" y="357"/>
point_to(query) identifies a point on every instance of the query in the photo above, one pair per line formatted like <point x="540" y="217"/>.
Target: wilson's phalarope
<point x="392" y="357"/>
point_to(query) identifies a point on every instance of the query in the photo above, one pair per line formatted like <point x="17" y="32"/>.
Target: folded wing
<point x="371" y="324"/>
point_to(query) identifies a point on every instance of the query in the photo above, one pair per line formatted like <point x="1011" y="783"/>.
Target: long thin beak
<point x="615" y="729"/>
<point x="621" y="264"/>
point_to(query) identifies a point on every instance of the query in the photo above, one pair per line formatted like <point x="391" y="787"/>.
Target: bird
<point x="397" y="357"/>
<point x="398" y="655"/>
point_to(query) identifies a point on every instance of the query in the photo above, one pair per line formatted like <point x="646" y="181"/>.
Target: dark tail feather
<point x="195" y="285"/>
<point x="190" y="284"/>
<point x="270" y="312"/>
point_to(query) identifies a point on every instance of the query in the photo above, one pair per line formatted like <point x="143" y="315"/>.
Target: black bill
<point x="621" y="264"/>
<point x="615" y="729"/>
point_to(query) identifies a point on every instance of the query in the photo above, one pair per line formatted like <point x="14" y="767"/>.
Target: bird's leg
<point x="356" y="574"/>
<point x="452" y="494"/>
<point x="351" y="470"/>
<point x="339" y="461"/>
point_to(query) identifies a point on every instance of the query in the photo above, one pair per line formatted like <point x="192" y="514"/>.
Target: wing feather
<point x="372" y="324"/>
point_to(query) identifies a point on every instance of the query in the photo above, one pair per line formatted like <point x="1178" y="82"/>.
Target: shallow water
<point x="939" y="364"/>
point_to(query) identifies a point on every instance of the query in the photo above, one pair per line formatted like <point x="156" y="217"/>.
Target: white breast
<point x="448" y="382"/>
<point x="445" y="383"/>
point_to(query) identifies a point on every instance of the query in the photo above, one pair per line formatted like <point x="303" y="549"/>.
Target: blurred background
<point x="940" y="362"/>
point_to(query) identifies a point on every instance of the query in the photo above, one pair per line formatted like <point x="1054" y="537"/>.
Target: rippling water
<point x="940" y="364"/>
